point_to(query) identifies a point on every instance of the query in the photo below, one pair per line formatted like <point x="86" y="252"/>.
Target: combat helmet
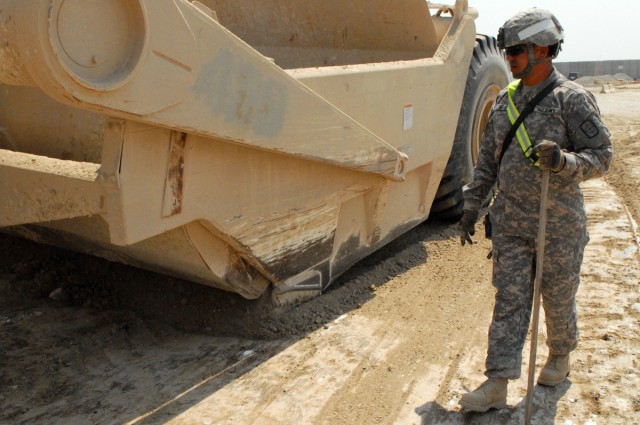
<point x="531" y="27"/>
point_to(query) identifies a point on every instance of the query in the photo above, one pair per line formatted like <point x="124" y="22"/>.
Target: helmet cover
<point x="532" y="26"/>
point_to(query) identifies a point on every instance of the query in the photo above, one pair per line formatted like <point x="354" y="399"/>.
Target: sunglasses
<point x="515" y="50"/>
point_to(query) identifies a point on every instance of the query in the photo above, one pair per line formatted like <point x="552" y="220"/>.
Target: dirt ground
<point x="396" y="341"/>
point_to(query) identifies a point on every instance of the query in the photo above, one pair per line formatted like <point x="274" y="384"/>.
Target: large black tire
<point x="488" y="73"/>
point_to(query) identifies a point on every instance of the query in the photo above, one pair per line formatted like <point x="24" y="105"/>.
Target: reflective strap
<point x="537" y="28"/>
<point x="521" y="132"/>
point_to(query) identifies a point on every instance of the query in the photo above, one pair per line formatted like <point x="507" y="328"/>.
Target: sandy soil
<point x="396" y="341"/>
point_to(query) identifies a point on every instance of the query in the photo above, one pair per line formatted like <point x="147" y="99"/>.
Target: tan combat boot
<point x="492" y="394"/>
<point x="554" y="371"/>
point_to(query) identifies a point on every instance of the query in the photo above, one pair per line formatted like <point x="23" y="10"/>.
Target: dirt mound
<point x="589" y="80"/>
<point x="623" y="77"/>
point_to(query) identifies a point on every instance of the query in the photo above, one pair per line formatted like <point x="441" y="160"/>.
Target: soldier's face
<point x="518" y="58"/>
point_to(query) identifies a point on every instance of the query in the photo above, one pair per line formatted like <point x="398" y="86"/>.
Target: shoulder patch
<point x="589" y="128"/>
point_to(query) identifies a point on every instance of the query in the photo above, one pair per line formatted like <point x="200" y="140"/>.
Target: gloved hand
<point x="467" y="226"/>
<point x="550" y="156"/>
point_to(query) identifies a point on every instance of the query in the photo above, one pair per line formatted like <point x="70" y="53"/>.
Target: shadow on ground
<point x="544" y="409"/>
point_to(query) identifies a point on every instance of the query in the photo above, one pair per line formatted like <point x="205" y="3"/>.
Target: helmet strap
<point x="532" y="62"/>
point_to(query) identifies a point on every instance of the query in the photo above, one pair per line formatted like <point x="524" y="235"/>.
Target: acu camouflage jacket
<point x="568" y="116"/>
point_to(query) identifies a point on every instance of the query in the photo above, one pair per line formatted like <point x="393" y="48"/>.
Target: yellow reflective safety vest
<point x="521" y="132"/>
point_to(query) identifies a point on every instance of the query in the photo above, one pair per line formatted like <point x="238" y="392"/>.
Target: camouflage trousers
<point x="514" y="267"/>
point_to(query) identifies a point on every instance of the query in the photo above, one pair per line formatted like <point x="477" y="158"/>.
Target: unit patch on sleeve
<point x="589" y="128"/>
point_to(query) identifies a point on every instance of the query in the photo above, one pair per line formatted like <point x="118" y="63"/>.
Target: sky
<point x="594" y="30"/>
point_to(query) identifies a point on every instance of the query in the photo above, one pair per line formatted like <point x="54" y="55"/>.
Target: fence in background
<point x="595" y="68"/>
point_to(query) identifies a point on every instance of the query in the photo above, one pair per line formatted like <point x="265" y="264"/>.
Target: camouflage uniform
<point x="570" y="117"/>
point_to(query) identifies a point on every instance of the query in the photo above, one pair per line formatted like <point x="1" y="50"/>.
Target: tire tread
<point x="448" y="202"/>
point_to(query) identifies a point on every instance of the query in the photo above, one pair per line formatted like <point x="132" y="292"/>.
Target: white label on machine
<point x="408" y="117"/>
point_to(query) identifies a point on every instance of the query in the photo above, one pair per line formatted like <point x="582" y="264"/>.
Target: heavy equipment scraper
<point x="246" y="145"/>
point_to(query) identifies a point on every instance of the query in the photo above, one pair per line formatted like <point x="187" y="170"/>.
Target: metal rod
<point x="542" y="224"/>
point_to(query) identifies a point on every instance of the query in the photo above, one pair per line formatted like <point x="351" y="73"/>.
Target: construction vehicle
<point x="258" y="146"/>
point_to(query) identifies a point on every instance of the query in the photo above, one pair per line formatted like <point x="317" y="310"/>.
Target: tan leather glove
<point x="550" y="156"/>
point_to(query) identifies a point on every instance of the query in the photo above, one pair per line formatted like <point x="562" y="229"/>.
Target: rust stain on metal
<point x="174" y="184"/>
<point x="290" y="243"/>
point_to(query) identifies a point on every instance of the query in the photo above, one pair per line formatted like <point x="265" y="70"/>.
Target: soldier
<point x="564" y="134"/>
